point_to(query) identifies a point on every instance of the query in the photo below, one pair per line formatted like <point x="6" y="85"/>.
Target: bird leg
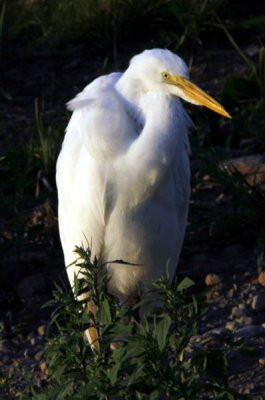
<point x="92" y="333"/>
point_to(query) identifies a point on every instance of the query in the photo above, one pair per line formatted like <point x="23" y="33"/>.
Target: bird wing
<point x="91" y="91"/>
<point x="99" y="130"/>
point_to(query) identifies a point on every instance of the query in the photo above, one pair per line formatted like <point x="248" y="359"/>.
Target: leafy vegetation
<point x="111" y="23"/>
<point x="152" y="358"/>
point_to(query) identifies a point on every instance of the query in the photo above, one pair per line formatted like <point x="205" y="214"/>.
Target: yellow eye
<point x="165" y="75"/>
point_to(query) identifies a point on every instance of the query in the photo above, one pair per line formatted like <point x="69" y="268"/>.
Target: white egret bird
<point x="123" y="173"/>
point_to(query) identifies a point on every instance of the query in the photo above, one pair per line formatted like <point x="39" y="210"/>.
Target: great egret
<point x="123" y="173"/>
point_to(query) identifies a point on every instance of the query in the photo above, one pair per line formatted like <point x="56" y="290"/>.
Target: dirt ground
<point x="31" y="259"/>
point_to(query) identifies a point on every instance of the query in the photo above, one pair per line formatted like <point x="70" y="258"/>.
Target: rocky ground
<point x="32" y="260"/>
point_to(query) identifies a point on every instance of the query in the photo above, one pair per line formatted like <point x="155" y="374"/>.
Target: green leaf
<point x="104" y="313"/>
<point x="136" y="375"/>
<point x="154" y="395"/>
<point x="185" y="284"/>
<point x="118" y="354"/>
<point x="113" y="373"/>
<point x="253" y="22"/>
<point x="66" y="390"/>
<point x="162" y="329"/>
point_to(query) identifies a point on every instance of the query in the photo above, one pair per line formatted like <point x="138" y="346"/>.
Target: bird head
<point x="163" y="71"/>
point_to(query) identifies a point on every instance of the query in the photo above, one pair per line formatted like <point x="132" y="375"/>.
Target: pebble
<point x="221" y="332"/>
<point x="212" y="280"/>
<point x="251" y="331"/>
<point x="246" y="321"/>
<point x="262" y="361"/>
<point x="258" y="302"/>
<point x="243" y="316"/>
<point x="38" y="355"/>
<point x="212" y="338"/>
<point x="29" y="352"/>
<point x="42" y="330"/>
<point x="232" y="326"/>
<point x="238" y="312"/>
<point x="261" y="278"/>
<point x="44" y="368"/>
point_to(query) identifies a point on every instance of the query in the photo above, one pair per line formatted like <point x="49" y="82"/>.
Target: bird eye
<point x="165" y="75"/>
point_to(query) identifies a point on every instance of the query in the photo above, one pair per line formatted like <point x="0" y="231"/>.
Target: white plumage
<point x="123" y="173"/>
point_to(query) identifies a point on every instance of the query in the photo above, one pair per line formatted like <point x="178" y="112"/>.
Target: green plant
<point x="46" y="149"/>
<point x="245" y="95"/>
<point x="153" y="359"/>
<point x="110" y="25"/>
<point x="2" y="15"/>
<point x="185" y="21"/>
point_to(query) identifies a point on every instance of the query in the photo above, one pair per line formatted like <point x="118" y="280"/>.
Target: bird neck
<point x="128" y="89"/>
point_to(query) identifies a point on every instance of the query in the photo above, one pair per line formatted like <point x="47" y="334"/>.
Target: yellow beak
<point x="194" y="94"/>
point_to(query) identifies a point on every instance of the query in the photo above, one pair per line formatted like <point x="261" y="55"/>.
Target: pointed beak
<point x="195" y="95"/>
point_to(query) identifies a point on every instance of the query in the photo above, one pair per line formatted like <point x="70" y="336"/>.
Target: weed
<point x="246" y="95"/>
<point x="2" y="15"/>
<point x="187" y="20"/>
<point x="153" y="359"/>
<point x="110" y="24"/>
<point x="46" y="149"/>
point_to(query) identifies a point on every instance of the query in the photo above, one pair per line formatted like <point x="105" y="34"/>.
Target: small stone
<point x="218" y="332"/>
<point x="212" y="338"/>
<point x="243" y="315"/>
<point x="237" y="312"/>
<point x="38" y="355"/>
<point x="42" y="330"/>
<point x="246" y="321"/>
<point x="258" y="302"/>
<point x="212" y="280"/>
<point x="231" y="325"/>
<point x="251" y="331"/>
<point x="261" y="278"/>
<point x="16" y="363"/>
<point x="44" y="368"/>
<point x="29" y="352"/>
<point x="262" y="361"/>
